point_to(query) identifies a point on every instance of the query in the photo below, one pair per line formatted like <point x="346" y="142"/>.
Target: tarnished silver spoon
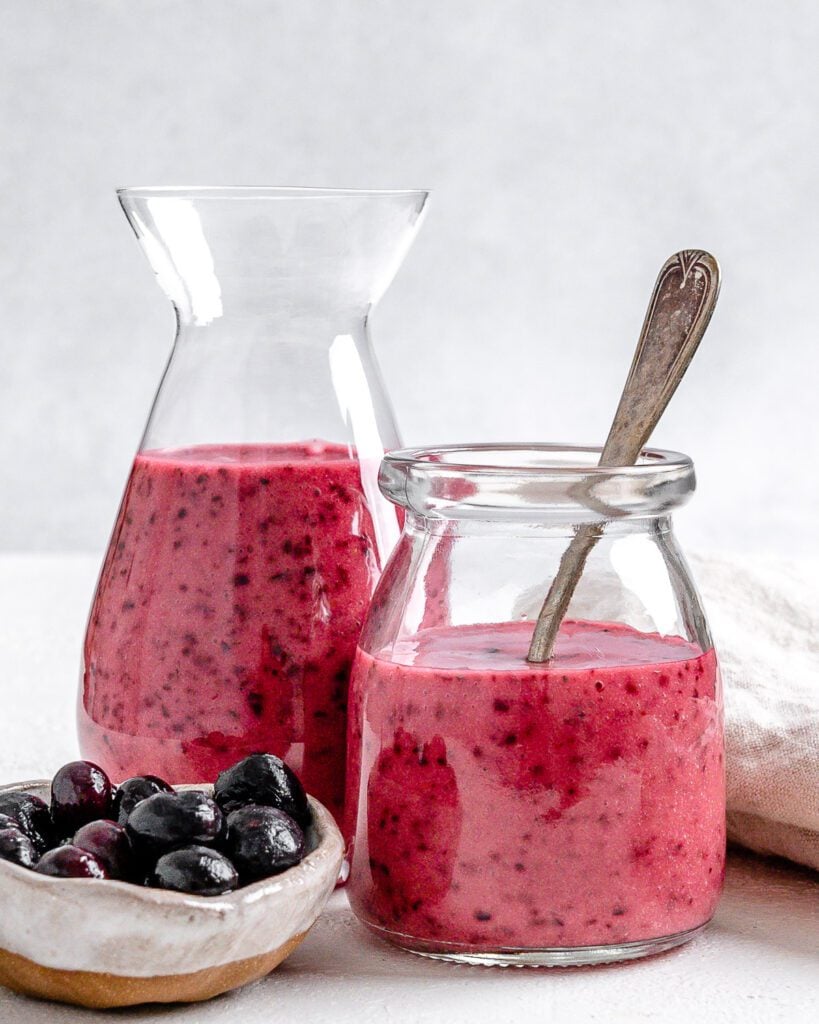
<point x="679" y="311"/>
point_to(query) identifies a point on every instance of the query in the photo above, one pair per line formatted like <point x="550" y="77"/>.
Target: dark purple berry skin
<point x="263" y="841"/>
<point x="132" y="791"/>
<point x="17" y="847"/>
<point x="167" y="821"/>
<point x="110" y="844"/>
<point x="80" y="792"/>
<point x="197" y="870"/>
<point x="70" y="862"/>
<point x="31" y="815"/>
<point x="266" y="780"/>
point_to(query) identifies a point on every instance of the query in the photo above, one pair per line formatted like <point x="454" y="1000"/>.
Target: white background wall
<point x="570" y="147"/>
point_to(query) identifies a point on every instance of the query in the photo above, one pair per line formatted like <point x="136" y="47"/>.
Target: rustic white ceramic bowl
<point x="105" y="943"/>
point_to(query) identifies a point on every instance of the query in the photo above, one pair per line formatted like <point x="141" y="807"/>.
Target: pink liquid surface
<point x="503" y="806"/>
<point x="227" y="614"/>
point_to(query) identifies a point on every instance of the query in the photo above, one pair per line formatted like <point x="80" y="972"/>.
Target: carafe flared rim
<point x="264" y="192"/>
<point x="268" y="251"/>
<point x="537" y="482"/>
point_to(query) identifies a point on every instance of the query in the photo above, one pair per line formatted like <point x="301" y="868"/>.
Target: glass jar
<point x="505" y="812"/>
<point x="252" y="531"/>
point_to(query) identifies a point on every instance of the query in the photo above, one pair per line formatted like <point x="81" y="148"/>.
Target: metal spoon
<point x="678" y="314"/>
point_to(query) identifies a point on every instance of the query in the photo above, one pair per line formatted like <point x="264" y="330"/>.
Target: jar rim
<point x="534" y="482"/>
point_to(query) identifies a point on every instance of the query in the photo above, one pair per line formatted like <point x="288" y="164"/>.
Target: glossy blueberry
<point x="196" y="869"/>
<point x="80" y="792"/>
<point x="110" y="844"/>
<point x="17" y="847"/>
<point x="266" y="780"/>
<point x="166" y="821"/>
<point x="263" y="841"/>
<point x="70" y="862"/>
<point x="31" y="815"/>
<point x="7" y="822"/>
<point x="133" y="791"/>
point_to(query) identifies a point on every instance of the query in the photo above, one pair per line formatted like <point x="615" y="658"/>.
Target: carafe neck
<point x="272" y="290"/>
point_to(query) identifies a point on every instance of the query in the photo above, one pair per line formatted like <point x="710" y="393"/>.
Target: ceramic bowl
<point x="105" y="943"/>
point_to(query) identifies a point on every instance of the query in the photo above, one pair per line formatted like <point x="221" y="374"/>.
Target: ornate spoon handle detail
<point x="678" y="314"/>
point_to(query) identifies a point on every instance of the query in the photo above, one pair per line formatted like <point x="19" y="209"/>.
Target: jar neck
<point x="625" y="526"/>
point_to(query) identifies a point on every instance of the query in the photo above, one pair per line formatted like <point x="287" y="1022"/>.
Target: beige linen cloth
<point x="764" y="617"/>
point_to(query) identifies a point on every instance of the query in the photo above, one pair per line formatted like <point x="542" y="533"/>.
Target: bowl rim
<point x="328" y="845"/>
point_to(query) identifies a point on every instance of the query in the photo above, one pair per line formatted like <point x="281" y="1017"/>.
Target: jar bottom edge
<point x="555" y="956"/>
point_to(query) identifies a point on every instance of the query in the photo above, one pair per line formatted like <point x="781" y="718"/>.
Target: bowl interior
<point x="323" y="843"/>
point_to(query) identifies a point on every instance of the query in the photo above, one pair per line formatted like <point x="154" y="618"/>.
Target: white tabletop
<point x="758" y="962"/>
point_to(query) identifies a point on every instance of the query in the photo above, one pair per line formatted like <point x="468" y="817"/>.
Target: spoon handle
<point x="678" y="314"/>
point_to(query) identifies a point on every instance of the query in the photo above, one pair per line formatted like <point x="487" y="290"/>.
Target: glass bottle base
<point x="557" y="956"/>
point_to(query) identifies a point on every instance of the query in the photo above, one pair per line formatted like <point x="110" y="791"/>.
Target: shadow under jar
<point x="504" y="812"/>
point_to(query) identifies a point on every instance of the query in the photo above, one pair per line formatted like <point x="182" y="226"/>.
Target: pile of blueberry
<point x="145" y="832"/>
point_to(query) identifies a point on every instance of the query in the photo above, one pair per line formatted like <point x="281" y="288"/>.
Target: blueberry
<point x="263" y="841"/>
<point x="80" y="792"/>
<point x="31" y="815"/>
<point x="132" y="791"/>
<point x="17" y="847"/>
<point x="71" y="862"/>
<point x="110" y="844"/>
<point x="166" y="821"/>
<point x="262" y="779"/>
<point x="197" y="870"/>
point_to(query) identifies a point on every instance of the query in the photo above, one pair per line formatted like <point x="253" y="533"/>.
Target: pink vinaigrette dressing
<point x="227" y="614"/>
<point x="507" y="805"/>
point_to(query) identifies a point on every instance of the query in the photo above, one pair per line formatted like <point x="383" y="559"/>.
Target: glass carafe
<point x="251" y="531"/>
<point x="506" y="812"/>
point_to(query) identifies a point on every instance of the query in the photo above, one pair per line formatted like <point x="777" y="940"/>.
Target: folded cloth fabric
<point x="764" y="616"/>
